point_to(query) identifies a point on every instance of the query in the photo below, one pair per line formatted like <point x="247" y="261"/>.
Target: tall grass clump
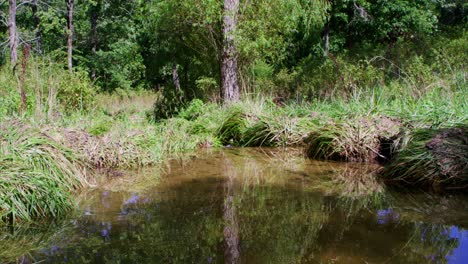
<point x="231" y="129"/>
<point x="277" y="130"/>
<point x="37" y="175"/>
<point x="28" y="194"/>
<point x="359" y="140"/>
<point x="434" y="158"/>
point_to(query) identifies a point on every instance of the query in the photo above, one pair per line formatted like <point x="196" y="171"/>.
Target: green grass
<point x="46" y="153"/>
<point x="37" y="175"/>
<point x="435" y="158"/>
<point x="355" y="140"/>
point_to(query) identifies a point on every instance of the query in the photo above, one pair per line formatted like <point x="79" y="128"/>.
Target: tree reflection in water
<point x="231" y="230"/>
<point x="251" y="207"/>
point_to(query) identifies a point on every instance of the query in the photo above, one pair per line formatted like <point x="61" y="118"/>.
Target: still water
<point x="251" y="206"/>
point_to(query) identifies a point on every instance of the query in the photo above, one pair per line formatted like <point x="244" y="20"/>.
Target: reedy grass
<point x="27" y="194"/>
<point x="436" y="158"/>
<point x="117" y="133"/>
<point x="37" y="175"/>
<point x="232" y="127"/>
<point x="358" y="140"/>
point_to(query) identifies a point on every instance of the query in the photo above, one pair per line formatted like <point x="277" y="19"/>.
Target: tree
<point x="37" y="25"/>
<point x="93" y="19"/>
<point x="13" y="34"/>
<point x="186" y="37"/>
<point x="230" y="86"/>
<point x="70" y="32"/>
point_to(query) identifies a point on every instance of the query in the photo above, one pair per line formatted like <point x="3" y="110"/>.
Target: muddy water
<point x="255" y="206"/>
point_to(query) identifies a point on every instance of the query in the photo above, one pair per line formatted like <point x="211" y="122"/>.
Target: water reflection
<point x="252" y="206"/>
<point x="231" y="230"/>
<point x="460" y="253"/>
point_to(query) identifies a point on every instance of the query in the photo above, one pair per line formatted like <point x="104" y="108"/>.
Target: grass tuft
<point x="361" y="140"/>
<point x="231" y="130"/>
<point x="436" y="158"/>
<point x="37" y="175"/>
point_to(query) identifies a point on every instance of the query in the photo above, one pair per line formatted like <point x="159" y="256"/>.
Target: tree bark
<point x="24" y="66"/>
<point x="37" y="25"/>
<point x="94" y="35"/>
<point x="70" y="32"/>
<point x="175" y="77"/>
<point x="229" y="80"/>
<point x="326" y="40"/>
<point x="13" y="34"/>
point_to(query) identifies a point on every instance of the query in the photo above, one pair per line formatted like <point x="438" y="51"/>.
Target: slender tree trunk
<point x="176" y="80"/>
<point x="37" y="25"/>
<point x="24" y="66"/>
<point x="326" y="40"/>
<point x="94" y="36"/>
<point x="229" y="80"/>
<point x="13" y="34"/>
<point x="70" y="32"/>
<point x="175" y="77"/>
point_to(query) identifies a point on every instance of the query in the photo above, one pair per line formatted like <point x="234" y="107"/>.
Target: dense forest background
<point x="111" y="84"/>
<point x="291" y="49"/>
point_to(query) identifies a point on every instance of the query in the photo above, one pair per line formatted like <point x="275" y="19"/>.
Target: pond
<point x="252" y="206"/>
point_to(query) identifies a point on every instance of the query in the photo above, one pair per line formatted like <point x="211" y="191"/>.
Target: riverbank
<point x="50" y="160"/>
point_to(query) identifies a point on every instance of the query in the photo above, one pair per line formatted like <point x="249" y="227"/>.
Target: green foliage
<point x="121" y="66"/>
<point x="26" y="195"/>
<point x="209" y="87"/>
<point x="193" y="110"/>
<point x="418" y="74"/>
<point x="49" y="88"/>
<point x="342" y="77"/>
<point x="359" y="141"/>
<point x="266" y="28"/>
<point x="168" y="104"/>
<point x="231" y="129"/>
<point x="38" y="175"/>
<point x="432" y="158"/>
<point x="101" y="127"/>
<point x="75" y="92"/>
<point x="262" y="74"/>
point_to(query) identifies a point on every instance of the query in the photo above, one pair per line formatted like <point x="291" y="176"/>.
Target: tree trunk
<point x="70" y="32"/>
<point x="13" y="34"/>
<point x="175" y="77"/>
<point x="230" y="85"/>
<point x="326" y="40"/>
<point x="24" y="66"/>
<point x="94" y="35"/>
<point x="37" y="25"/>
<point x="176" y="81"/>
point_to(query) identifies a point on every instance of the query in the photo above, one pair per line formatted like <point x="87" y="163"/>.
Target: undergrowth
<point x="47" y="150"/>
<point x="37" y="175"/>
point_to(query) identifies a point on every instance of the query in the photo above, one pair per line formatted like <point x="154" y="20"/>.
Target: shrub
<point x="75" y="91"/>
<point x="49" y="88"/>
<point x="168" y="104"/>
<point x="193" y="110"/>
